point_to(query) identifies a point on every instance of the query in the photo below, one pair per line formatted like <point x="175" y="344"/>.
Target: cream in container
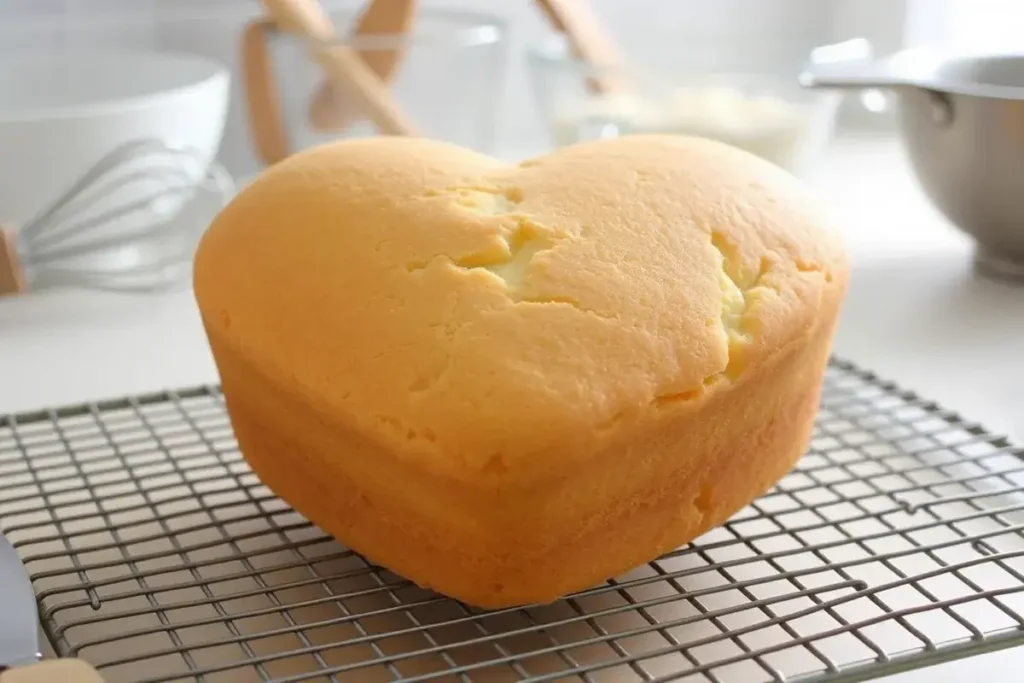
<point x="771" y="127"/>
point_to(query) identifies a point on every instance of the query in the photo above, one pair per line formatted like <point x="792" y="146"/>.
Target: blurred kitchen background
<point x="488" y="73"/>
<point x="774" y="35"/>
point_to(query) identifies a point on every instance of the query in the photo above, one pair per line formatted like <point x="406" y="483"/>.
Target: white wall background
<point x="779" y="32"/>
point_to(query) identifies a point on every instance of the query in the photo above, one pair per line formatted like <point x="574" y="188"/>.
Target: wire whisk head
<point x="131" y="222"/>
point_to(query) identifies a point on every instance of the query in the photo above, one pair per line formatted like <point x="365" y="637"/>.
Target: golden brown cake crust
<point x="511" y="381"/>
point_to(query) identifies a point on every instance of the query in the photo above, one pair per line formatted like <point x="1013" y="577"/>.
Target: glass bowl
<point x="748" y="99"/>
<point x="449" y="79"/>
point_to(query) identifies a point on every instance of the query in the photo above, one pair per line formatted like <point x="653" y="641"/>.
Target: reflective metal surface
<point x="962" y="123"/>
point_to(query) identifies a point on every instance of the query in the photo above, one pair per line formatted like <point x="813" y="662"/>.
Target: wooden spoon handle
<point x="381" y="17"/>
<point x="12" y="278"/>
<point x="588" y="40"/>
<point x="350" y="74"/>
<point x="389" y="18"/>
<point x="344" y="68"/>
<point x="52" y="671"/>
<point x="266" y="123"/>
<point x="305" y="17"/>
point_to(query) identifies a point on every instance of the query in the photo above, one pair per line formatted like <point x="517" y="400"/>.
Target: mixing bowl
<point x="961" y="118"/>
<point x="60" y="113"/>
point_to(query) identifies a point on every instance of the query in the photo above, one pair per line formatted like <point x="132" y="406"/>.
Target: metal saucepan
<point x="962" y="122"/>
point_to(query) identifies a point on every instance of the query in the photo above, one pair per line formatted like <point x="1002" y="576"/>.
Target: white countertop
<point x="915" y="314"/>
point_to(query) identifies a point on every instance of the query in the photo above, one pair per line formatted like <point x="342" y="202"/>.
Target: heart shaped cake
<point x="509" y="382"/>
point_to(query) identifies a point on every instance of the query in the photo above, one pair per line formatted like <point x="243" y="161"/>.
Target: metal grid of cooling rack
<point x="157" y="555"/>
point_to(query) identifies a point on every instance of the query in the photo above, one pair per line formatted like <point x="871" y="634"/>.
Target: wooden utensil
<point x="574" y="18"/>
<point x="330" y="110"/>
<point x="52" y="671"/>
<point x="335" y="102"/>
<point x="266" y="124"/>
<point x="82" y="237"/>
<point x="588" y="41"/>
<point x="345" y="70"/>
<point x="12" y="278"/>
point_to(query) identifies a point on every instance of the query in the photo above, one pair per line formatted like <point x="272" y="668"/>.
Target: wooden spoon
<point x="345" y="70"/>
<point x="266" y="123"/>
<point x="328" y="111"/>
<point x="12" y="278"/>
<point x="588" y="41"/>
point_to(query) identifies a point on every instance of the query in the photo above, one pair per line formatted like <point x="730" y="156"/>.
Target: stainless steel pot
<point x="962" y="123"/>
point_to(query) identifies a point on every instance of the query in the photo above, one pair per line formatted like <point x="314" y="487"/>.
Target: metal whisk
<point x="130" y="223"/>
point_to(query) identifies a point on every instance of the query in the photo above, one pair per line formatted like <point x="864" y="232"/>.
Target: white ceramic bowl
<point x="61" y="113"/>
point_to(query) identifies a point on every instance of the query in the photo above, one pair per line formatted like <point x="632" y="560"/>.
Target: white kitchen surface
<point x="915" y="314"/>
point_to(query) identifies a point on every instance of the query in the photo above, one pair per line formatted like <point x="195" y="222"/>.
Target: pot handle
<point x="849" y="65"/>
<point x="865" y="74"/>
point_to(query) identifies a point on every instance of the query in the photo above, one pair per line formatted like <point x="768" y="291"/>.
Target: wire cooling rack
<point x="158" y="556"/>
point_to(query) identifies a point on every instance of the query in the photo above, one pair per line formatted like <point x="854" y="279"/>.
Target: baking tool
<point x="374" y="65"/>
<point x="962" y="122"/>
<point x="590" y="43"/>
<point x="386" y="18"/>
<point x="266" y="122"/>
<point x="896" y="542"/>
<point x="19" y="622"/>
<point x="450" y="82"/>
<point x="130" y="223"/>
<point x="573" y="18"/>
<point x="63" y="109"/>
<point x="347" y="72"/>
